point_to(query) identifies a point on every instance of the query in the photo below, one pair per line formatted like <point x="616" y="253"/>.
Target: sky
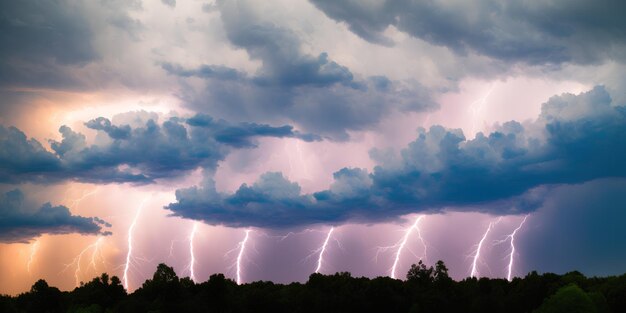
<point x="268" y="140"/>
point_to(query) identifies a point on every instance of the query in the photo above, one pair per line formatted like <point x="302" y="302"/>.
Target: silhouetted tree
<point x="421" y="274"/>
<point x="41" y="298"/>
<point x="427" y="289"/>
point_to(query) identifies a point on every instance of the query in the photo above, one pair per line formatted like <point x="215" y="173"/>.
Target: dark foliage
<point x="426" y="289"/>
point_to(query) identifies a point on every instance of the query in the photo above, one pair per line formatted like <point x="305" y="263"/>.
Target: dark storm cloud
<point x="537" y="32"/>
<point x="575" y="139"/>
<point x="130" y="154"/>
<point x="37" y="38"/>
<point x="20" y="223"/>
<point x="42" y="43"/>
<point x="312" y="91"/>
<point x="56" y="30"/>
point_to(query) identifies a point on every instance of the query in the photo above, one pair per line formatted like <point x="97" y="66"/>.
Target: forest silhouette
<point x="426" y="289"/>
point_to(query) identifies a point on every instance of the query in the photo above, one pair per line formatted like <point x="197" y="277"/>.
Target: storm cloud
<point x="138" y="154"/>
<point x="544" y="33"/>
<point x="310" y="90"/>
<point x="577" y="138"/>
<point x="21" y="223"/>
<point x="45" y="44"/>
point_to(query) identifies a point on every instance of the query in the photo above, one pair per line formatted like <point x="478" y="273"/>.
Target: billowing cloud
<point x="310" y="90"/>
<point x="130" y="154"/>
<point x="20" y="223"/>
<point x="575" y="139"/>
<point x="548" y="32"/>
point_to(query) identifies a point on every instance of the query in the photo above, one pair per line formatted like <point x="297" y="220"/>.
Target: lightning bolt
<point x="402" y="243"/>
<point x="192" y="261"/>
<point x="171" y="249"/>
<point x="33" y="250"/>
<point x="320" y="260"/>
<point x="242" y="249"/>
<point x="76" y="202"/>
<point x="291" y="234"/>
<point x="511" y="239"/>
<point x="129" y="253"/>
<point x="477" y="106"/>
<point x="476" y="254"/>
<point x="96" y="253"/>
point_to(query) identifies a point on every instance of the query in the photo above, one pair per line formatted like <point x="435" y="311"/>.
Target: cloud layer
<point x="312" y="91"/>
<point x="549" y="32"/>
<point x="575" y="139"/>
<point x="21" y="223"/>
<point x="123" y="153"/>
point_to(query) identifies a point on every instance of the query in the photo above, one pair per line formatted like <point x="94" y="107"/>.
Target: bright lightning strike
<point x="402" y="243"/>
<point x="192" y="261"/>
<point x="476" y="255"/>
<point x="242" y="248"/>
<point x="96" y="254"/>
<point x="511" y="239"/>
<point x="320" y="260"/>
<point x="129" y="252"/>
<point x="33" y="250"/>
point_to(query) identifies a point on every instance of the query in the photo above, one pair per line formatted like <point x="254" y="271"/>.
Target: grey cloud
<point x="44" y="30"/>
<point x="103" y="124"/>
<point x="170" y="3"/>
<point x="19" y="223"/>
<point x="21" y="156"/>
<point x="38" y="39"/>
<point x="138" y="154"/>
<point x="47" y="43"/>
<point x="539" y="32"/>
<point x="574" y="140"/>
<point x="205" y="71"/>
<point x="314" y="92"/>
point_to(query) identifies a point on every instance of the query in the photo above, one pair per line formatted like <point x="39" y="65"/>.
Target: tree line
<point x="426" y="289"/>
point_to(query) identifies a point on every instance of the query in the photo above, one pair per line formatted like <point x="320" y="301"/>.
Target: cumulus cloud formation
<point x="130" y="154"/>
<point x="538" y="32"/>
<point x="20" y="223"/>
<point x="576" y="138"/>
<point x="312" y="91"/>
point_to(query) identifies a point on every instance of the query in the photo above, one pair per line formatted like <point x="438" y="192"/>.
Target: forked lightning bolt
<point x="403" y="243"/>
<point x="242" y="249"/>
<point x="96" y="253"/>
<point x="129" y="253"/>
<point x="400" y="246"/>
<point x="511" y="239"/>
<point x="476" y="255"/>
<point x="192" y="260"/>
<point x="320" y="259"/>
